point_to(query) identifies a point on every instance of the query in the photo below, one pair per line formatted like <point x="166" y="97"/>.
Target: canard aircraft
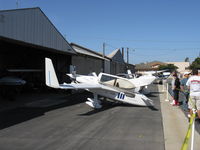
<point x="104" y="85"/>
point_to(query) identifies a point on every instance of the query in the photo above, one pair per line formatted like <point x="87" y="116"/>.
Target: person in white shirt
<point x="193" y="84"/>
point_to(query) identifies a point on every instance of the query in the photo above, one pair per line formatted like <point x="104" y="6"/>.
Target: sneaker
<point x="175" y="105"/>
<point x="173" y="102"/>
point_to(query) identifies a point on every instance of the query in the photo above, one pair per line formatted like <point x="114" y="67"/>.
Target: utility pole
<point x="17" y="4"/>
<point x="123" y="52"/>
<point x="127" y="55"/>
<point x="104" y="49"/>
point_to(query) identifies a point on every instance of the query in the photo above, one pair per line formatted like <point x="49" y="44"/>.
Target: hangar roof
<point x="116" y="55"/>
<point x="85" y="51"/>
<point x="31" y="25"/>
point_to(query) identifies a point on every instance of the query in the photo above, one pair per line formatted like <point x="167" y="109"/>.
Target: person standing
<point x="185" y="90"/>
<point x="193" y="84"/>
<point x="176" y="89"/>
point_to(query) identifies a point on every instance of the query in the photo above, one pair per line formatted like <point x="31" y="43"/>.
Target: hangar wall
<point x="86" y="64"/>
<point x="117" y="67"/>
<point x="88" y="61"/>
<point x="107" y="66"/>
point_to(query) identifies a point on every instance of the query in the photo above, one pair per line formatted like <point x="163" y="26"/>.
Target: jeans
<point x="185" y="101"/>
<point x="176" y="94"/>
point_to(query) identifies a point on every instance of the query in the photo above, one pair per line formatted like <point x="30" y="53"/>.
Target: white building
<point x="182" y="66"/>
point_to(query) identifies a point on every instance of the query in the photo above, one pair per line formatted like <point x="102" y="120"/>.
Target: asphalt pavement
<point x="66" y="122"/>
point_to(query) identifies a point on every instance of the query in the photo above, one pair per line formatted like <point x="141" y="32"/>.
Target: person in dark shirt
<point x="176" y="89"/>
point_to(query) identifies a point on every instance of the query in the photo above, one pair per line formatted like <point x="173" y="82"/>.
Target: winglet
<point x="50" y="75"/>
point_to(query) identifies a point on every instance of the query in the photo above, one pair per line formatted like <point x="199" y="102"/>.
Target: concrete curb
<point x="175" y="124"/>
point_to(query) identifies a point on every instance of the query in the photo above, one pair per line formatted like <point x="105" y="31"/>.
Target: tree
<point x="170" y="67"/>
<point x="187" y="59"/>
<point x="195" y="64"/>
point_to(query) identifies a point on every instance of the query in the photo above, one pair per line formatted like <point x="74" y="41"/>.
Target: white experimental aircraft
<point x="105" y="85"/>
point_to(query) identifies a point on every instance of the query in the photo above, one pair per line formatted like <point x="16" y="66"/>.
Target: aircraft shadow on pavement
<point x="21" y="114"/>
<point x="113" y="105"/>
<point x="149" y="107"/>
<point x="152" y="93"/>
<point x="153" y="108"/>
<point x="104" y="108"/>
<point x="24" y="113"/>
<point x="18" y="115"/>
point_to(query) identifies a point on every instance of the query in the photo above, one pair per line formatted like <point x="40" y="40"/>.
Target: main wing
<point x="79" y="86"/>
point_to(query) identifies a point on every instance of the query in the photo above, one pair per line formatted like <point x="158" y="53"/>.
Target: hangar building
<point x="88" y="61"/>
<point x="27" y="36"/>
<point x="117" y="62"/>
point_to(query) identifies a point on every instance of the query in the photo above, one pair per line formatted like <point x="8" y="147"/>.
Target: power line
<point x="174" y="49"/>
<point x="111" y="46"/>
<point x="136" y="40"/>
<point x="17" y="4"/>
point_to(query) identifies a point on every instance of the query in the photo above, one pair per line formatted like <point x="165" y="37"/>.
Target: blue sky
<point x="164" y="30"/>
